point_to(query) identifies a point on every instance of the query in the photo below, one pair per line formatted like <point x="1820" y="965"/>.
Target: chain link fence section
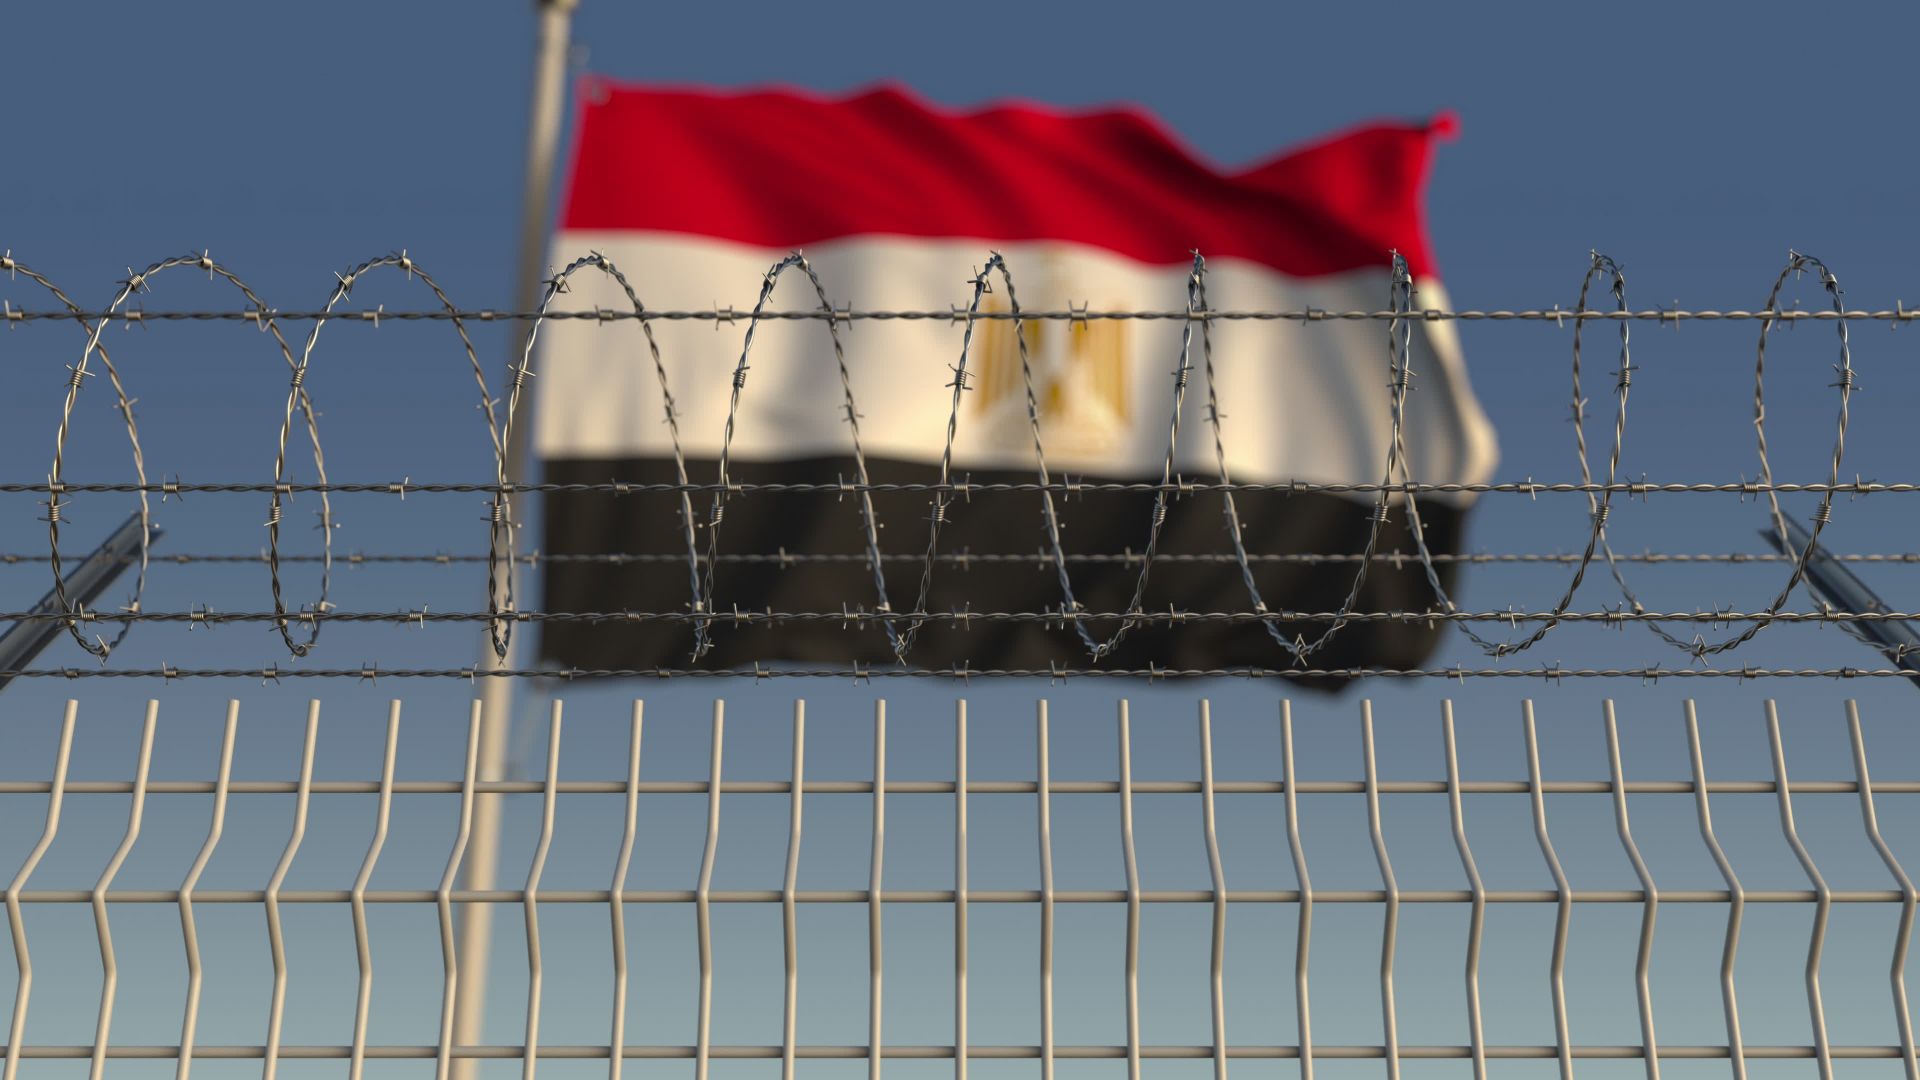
<point x="1137" y="827"/>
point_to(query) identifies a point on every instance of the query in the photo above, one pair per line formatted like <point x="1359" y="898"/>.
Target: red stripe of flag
<point x="783" y="169"/>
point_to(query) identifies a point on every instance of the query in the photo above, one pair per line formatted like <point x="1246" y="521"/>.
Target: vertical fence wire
<point x="959" y="891"/>
<point x="1477" y="917"/>
<point x="1303" y="939"/>
<point x="362" y="946"/>
<point x="789" y="899"/>
<point x="1217" y="953"/>
<point x="530" y="906"/>
<point x="1044" y="791"/>
<point x="189" y="929"/>
<point x="109" y="961"/>
<point x="16" y="921"/>
<point x="1903" y="936"/>
<point x="1823" y="902"/>
<point x="443" y="903"/>
<point x="1650" y="909"/>
<point x="1736" y="898"/>
<point x="617" y="895"/>
<point x="1132" y="862"/>
<point x="1563" y="901"/>
<point x="703" y="901"/>
<point x="1390" y="919"/>
<point x="276" y="938"/>
<point x="877" y="860"/>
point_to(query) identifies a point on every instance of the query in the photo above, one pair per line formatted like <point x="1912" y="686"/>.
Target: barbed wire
<point x="1177" y="486"/>
<point x="965" y="616"/>
<point x="964" y="558"/>
<point x="860" y="673"/>
<point x="705" y="609"/>
<point x="958" y="314"/>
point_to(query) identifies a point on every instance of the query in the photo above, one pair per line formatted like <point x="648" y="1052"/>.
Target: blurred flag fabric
<point x="694" y="194"/>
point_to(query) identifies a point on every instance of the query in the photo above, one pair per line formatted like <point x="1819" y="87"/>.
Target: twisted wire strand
<point x="1599" y="503"/>
<point x="1896" y="316"/>
<point x="965" y="558"/>
<point x="963" y="672"/>
<point x="500" y="557"/>
<point x="296" y="398"/>
<point x="702" y="638"/>
<point x="1049" y="512"/>
<point x="982" y="285"/>
<point x="1176" y="486"/>
<point x="1698" y="648"/>
<point x="1399" y="367"/>
<point x="124" y="404"/>
<point x="1183" y="369"/>
<point x="849" y="616"/>
<point x="902" y="628"/>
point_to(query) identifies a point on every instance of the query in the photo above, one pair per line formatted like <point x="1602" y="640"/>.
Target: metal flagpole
<point x="496" y="694"/>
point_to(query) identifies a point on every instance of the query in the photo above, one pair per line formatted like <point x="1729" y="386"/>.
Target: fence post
<point x="496" y="694"/>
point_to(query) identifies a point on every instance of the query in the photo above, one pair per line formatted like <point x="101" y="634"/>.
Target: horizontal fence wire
<point x="984" y="558"/>
<point x="61" y="789"/>
<point x="858" y="673"/>
<point x="1602" y="304"/>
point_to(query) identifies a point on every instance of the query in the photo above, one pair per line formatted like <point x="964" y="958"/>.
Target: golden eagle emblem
<point x="1079" y="370"/>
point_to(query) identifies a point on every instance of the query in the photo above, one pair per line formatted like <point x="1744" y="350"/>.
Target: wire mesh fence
<point x="1273" y="965"/>
<point x="1228" y="901"/>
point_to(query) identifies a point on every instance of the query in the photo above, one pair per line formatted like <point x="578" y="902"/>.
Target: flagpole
<point x="496" y="694"/>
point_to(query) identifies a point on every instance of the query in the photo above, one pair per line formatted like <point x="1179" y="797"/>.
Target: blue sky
<point x="1694" y="143"/>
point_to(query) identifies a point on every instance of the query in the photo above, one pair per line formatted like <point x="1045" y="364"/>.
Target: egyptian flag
<point x="693" y="195"/>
